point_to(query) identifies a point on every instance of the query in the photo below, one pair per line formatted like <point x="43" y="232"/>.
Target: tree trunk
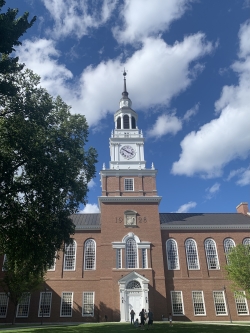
<point x="14" y="315"/>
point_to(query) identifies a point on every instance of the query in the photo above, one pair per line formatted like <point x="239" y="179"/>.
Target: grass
<point x="122" y="328"/>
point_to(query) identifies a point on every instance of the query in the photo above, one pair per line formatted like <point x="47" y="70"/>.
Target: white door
<point x="135" y="303"/>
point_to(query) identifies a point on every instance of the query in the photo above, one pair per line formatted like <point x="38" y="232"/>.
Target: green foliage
<point x="238" y="268"/>
<point x="44" y="171"/>
<point x="11" y="29"/>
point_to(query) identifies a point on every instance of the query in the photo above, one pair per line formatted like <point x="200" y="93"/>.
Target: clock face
<point x="127" y="152"/>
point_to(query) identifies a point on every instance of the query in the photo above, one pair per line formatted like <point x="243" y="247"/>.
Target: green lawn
<point x="117" y="327"/>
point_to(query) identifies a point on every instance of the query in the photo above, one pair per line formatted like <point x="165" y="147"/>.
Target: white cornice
<point x="88" y="227"/>
<point x="128" y="172"/>
<point x="129" y="199"/>
<point x="205" y="227"/>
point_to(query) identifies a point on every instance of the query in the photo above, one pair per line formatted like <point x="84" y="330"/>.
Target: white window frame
<point x="126" y="185"/>
<point x="176" y="263"/>
<point x="136" y="253"/>
<point x="208" y="255"/>
<point x="144" y="257"/>
<point x="66" y="256"/>
<point x="118" y="258"/>
<point x="25" y="302"/>
<point x="241" y="300"/>
<point x="190" y="256"/>
<point x="179" y="293"/>
<point x="4" y="302"/>
<point x="92" y="304"/>
<point x="66" y="303"/>
<point x="246" y="241"/>
<point x="93" y="256"/>
<point x="221" y="292"/>
<point x="47" y="296"/>
<point x="228" y="244"/>
<point x="52" y="268"/>
<point x="202" y="302"/>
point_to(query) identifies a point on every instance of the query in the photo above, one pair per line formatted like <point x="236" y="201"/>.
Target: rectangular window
<point x="220" y="303"/>
<point x="3" y="305"/>
<point x="241" y="304"/>
<point x="177" y="303"/>
<point x="129" y="184"/>
<point x="45" y="304"/>
<point x="88" y="304"/>
<point x="144" y="258"/>
<point x="4" y="262"/>
<point x="53" y="266"/>
<point x="23" y="306"/>
<point x="70" y="257"/>
<point x="118" y="258"/>
<point x="198" y="303"/>
<point x="66" y="304"/>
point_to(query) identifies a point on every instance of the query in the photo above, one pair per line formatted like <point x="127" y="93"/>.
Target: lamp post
<point x="42" y="304"/>
<point x="229" y="313"/>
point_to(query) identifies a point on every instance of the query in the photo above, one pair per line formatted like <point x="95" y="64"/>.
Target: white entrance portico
<point x="133" y="295"/>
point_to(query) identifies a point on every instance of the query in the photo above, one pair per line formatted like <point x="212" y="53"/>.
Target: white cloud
<point x="243" y="175"/>
<point x="214" y="188"/>
<point x="91" y="184"/>
<point x="165" y="124"/>
<point x="227" y="137"/>
<point x="191" y="112"/>
<point x="172" y="69"/>
<point x="76" y="17"/>
<point x="186" y="207"/>
<point x="89" y="208"/>
<point x="143" y="18"/>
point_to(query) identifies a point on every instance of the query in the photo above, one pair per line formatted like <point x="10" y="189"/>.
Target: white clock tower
<point x="127" y="141"/>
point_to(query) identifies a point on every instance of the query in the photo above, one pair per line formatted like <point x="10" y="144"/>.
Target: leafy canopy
<point x="44" y="172"/>
<point x="238" y="268"/>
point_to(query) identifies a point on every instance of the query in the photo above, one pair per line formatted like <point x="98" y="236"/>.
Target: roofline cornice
<point x="87" y="227"/>
<point x="128" y="172"/>
<point x="129" y="199"/>
<point x="205" y="227"/>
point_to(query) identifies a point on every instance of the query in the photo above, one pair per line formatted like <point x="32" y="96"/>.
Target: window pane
<point x="66" y="304"/>
<point x="228" y="245"/>
<point x="172" y="254"/>
<point x="131" y="253"/>
<point x="88" y="304"/>
<point x="192" y="255"/>
<point x="23" y="307"/>
<point x="219" y="303"/>
<point x="3" y="305"/>
<point x="177" y="305"/>
<point x="89" y="254"/>
<point x="198" y="303"/>
<point x="133" y="285"/>
<point x="45" y="304"/>
<point x="211" y="254"/>
<point x="144" y="258"/>
<point x="241" y="304"/>
<point x="118" y="258"/>
<point x="246" y="241"/>
<point x="70" y="257"/>
<point x="129" y="184"/>
<point x="126" y="122"/>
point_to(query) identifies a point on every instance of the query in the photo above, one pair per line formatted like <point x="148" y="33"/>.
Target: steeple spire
<point x="125" y="93"/>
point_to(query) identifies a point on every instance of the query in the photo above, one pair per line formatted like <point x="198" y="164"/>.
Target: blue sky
<point x="188" y="78"/>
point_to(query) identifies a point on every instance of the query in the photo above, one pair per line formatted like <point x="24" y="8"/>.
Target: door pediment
<point x="133" y="276"/>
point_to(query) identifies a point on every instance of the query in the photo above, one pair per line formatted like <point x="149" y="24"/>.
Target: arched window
<point x="133" y="285"/>
<point x="172" y="254"/>
<point x="246" y="241"/>
<point x="192" y="254"/>
<point x="89" y="255"/>
<point x="228" y="245"/>
<point x="131" y="253"/>
<point x="211" y="254"/>
<point x="118" y="126"/>
<point x="70" y="257"/>
<point x="133" y="122"/>
<point x="126" y="122"/>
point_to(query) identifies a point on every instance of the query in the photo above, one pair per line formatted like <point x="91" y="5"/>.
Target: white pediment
<point x="133" y="276"/>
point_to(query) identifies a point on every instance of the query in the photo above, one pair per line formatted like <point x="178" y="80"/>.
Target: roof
<point x="86" y="221"/>
<point x="204" y="221"/>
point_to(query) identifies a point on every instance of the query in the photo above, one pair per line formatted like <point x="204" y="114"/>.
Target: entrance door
<point x="135" y="303"/>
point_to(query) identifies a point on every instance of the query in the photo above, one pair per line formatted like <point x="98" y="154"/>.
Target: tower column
<point x="122" y="122"/>
<point x="130" y="121"/>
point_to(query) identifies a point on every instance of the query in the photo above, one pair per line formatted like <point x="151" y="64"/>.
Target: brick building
<point x="131" y="256"/>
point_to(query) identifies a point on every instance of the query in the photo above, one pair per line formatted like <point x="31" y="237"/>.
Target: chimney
<point x="242" y="208"/>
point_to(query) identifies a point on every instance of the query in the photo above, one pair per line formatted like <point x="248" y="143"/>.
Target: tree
<point x="238" y="268"/>
<point x="44" y="172"/>
<point x="18" y="282"/>
<point x="11" y="29"/>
